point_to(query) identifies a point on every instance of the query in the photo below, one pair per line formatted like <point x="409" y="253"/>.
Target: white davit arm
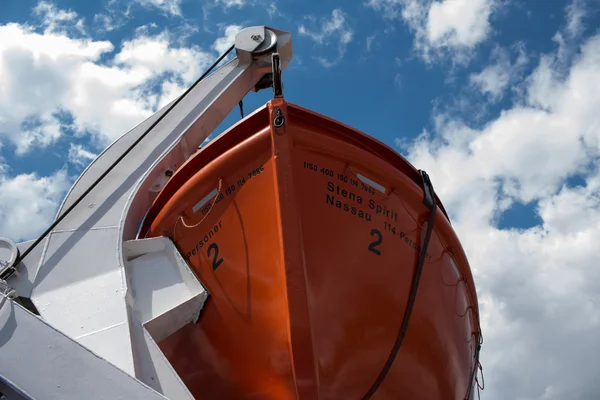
<point x="104" y="298"/>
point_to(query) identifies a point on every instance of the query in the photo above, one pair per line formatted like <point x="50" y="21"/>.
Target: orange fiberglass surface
<point x="333" y="271"/>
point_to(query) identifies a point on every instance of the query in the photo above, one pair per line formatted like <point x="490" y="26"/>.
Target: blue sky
<point x="378" y="62"/>
<point x="497" y="100"/>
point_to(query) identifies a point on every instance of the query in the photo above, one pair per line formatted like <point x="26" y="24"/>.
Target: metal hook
<point x="279" y="119"/>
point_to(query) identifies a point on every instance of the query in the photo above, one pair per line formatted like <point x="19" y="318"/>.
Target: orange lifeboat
<point x="332" y="267"/>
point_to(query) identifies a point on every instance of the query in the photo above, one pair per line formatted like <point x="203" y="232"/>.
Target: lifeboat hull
<point x="307" y="233"/>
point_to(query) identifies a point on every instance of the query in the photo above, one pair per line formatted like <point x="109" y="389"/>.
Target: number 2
<point x="215" y="263"/>
<point x="377" y="242"/>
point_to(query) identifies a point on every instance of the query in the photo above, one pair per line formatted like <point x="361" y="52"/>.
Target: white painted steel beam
<point x="94" y="284"/>
<point x="39" y="362"/>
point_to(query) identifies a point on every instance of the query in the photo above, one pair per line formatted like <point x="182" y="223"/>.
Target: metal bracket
<point x="277" y="83"/>
<point x="428" y="198"/>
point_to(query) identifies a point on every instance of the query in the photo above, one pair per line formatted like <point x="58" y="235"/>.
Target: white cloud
<point x="539" y="288"/>
<point x="567" y="39"/>
<point x="105" y="22"/>
<point x="227" y="5"/>
<point x="448" y="27"/>
<point x="110" y="21"/>
<point x="330" y="32"/>
<point x="57" y="20"/>
<point x="273" y="11"/>
<point x="398" y="80"/>
<point x="172" y="7"/>
<point x="222" y="43"/>
<point x="495" y="78"/>
<point x="35" y="80"/>
<point x="46" y="75"/>
<point x="575" y="14"/>
<point x="79" y="156"/>
<point x="270" y="6"/>
<point x="458" y="23"/>
<point x="29" y="202"/>
<point x="114" y="15"/>
<point x="369" y="41"/>
<point x="390" y="9"/>
<point x="232" y="3"/>
<point x="153" y="55"/>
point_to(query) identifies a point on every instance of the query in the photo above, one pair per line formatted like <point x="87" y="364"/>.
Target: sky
<point x="499" y="101"/>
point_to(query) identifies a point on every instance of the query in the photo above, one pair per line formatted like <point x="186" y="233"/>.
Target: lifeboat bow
<point x="292" y="257"/>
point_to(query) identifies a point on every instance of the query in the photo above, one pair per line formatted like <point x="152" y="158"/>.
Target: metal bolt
<point x="169" y="173"/>
<point x="256" y="37"/>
